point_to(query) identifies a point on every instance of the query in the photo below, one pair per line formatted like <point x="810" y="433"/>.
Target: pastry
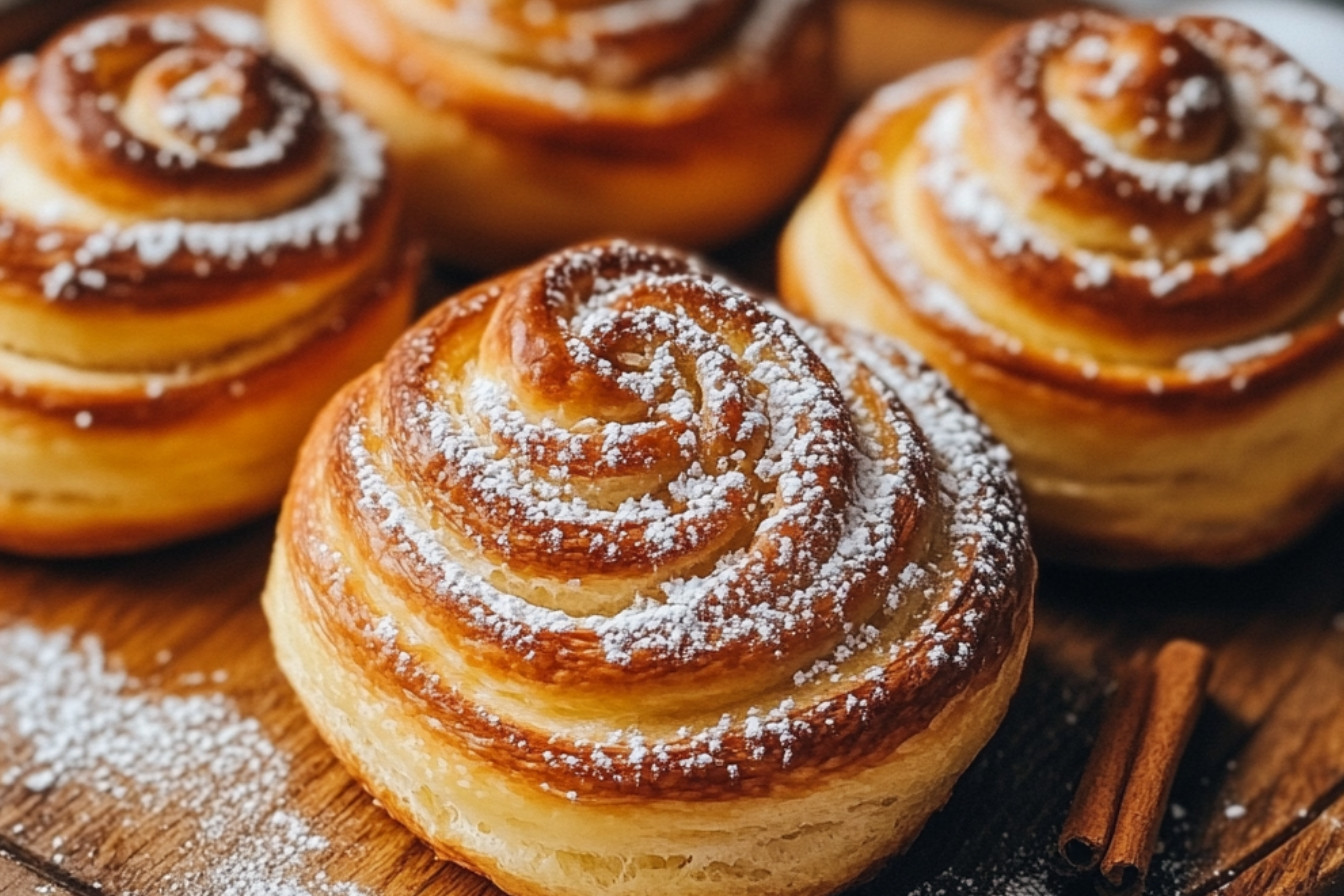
<point x="1122" y="242"/>
<point x="196" y="250"/>
<point x="611" y="579"/>
<point x="528" y="126"/>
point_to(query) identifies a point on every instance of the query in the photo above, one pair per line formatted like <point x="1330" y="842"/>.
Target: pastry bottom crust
<point x="809" y="835"/>
<point x="77" y="482"/>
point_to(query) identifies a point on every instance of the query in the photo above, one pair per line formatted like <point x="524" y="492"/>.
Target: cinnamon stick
<point x="1096" y="804"/>
<point x="1179" y="676"/>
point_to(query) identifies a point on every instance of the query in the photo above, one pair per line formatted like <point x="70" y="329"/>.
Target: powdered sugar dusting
<point x="1190" y="182"/>
<point x="234" y="27"/>
<point x="78" y="722"/>
<point x="1210" y="363"/>
<point x="866" y="198"/>
<point x="965" y="195"/>
<point x="332" y="217"/>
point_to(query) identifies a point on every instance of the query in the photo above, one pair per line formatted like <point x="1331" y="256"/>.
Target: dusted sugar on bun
<point x="528" y="126"/>
<point x="610" y="579"/>
<point x="1123" y="241"/>
<point x="197" y="250"/>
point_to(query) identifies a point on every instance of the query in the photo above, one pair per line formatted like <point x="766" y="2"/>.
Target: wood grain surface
<point x="210" y="780"/>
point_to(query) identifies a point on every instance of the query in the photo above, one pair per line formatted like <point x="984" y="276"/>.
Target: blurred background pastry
<point x="611" y="579"/>
<point x="1123" y="241"/>
<point x="197" y="249"/>
<point x="526" y="126"/>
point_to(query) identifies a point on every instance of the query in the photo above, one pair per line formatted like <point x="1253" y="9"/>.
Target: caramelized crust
<point x="527" y="127"/>
<point x="612" y="537"/>
<point x="198" y="250"/>
<point x="1123" y="241"/>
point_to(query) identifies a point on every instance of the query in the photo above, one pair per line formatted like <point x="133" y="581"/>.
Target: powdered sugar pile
<point x="76" y="723"/>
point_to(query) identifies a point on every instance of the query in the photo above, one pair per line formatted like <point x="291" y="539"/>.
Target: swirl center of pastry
<point x="1148" y="88"/>
<point x="194" y="100"/>
<point x="230" y="106"/>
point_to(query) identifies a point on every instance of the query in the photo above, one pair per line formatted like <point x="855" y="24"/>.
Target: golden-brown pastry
<point x="196" y="250"/>
<point x="525" y="126"/>
<point x="1122" y="241"/>
<point x="610" y="579"/>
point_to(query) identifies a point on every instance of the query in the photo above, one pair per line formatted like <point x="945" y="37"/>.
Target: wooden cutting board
<point x="149" y="744"/>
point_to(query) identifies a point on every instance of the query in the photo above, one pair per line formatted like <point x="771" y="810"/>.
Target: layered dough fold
<point x="1123" y="242"/>
<point x="612" y="579"/>
<point x="527" y="126"/>
<point x="198" y="250"/>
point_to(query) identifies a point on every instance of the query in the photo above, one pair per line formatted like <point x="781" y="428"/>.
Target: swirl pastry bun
<point x="529" y="126"/>
<point x="197" y="251"/>
<point x="1123" y="242"/>
<point x="611" y="579"/>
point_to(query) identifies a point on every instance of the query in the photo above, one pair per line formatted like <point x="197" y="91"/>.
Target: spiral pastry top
<point x="1111" y="193"/>
<point x="158" y="166"/>
<point x="614" y="115"/>
<point x="182" y="216"/>
<point x="1148" y="215"/>
<point x="613" y="532"/>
